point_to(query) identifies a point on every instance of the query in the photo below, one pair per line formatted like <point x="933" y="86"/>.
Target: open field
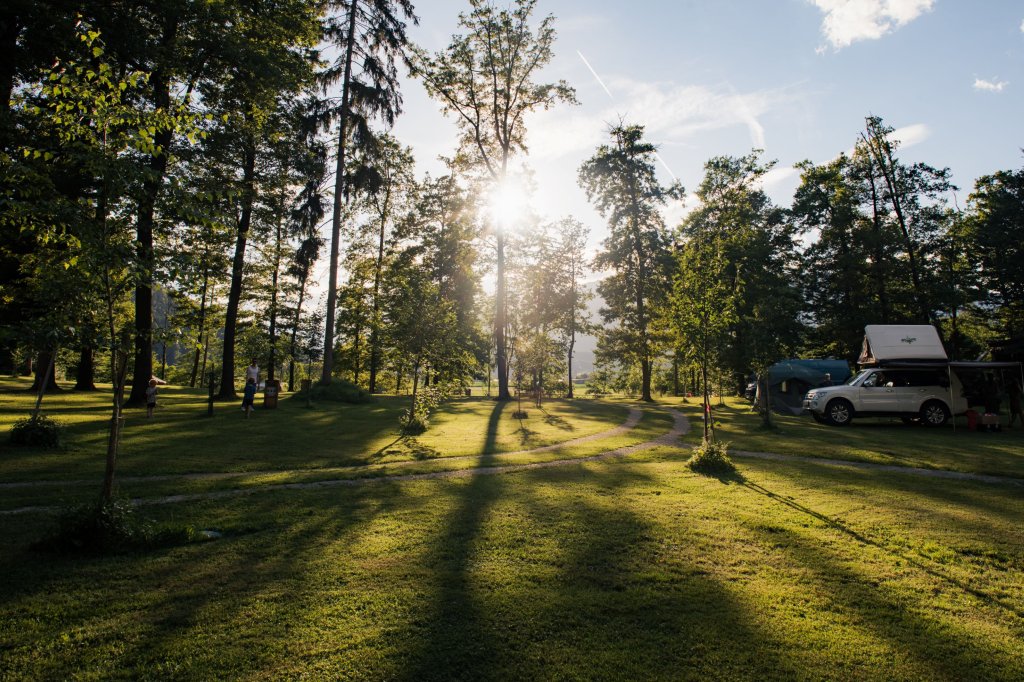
<point x="627" y="568"/>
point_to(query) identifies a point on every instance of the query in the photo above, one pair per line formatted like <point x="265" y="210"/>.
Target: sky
<point x="792" y="77"/>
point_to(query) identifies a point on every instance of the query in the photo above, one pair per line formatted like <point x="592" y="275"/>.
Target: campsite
<point x="511" y="340"/>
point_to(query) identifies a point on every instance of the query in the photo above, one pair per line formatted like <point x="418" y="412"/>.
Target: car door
<point x="922" y="386"/>
<point x="876" y="395"/>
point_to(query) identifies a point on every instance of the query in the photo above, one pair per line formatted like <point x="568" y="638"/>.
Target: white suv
<point x="924" y="394"/>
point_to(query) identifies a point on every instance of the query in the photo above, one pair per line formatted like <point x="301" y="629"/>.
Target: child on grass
<point x="150" y="398"/>
<point x="248" y="396"/>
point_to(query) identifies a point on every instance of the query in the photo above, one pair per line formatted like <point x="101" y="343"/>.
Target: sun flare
<point x="507" y="203"/>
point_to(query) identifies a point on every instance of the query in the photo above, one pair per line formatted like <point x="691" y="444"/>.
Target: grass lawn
<point x="882" y="441"/>
<point x="631" y="568"/>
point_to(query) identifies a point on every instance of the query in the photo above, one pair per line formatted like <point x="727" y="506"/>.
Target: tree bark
<point x="44" y="374"/>
<point x="500" y="322"/>
<point x="227" y="376"/>
<point x="339" y="186"/>
<point x="85" y="375"/>
<point x="151" y="186"/>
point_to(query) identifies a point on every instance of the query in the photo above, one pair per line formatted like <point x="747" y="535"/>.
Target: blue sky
<point x="795" y="77"/>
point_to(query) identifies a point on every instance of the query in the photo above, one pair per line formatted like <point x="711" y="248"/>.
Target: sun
<point x="507" y="203"/>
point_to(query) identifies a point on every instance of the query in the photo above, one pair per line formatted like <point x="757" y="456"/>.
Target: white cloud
<point x="991" y="86"/>
<point x="910" y="135"/>
<point x="1022" y="26"/>
<point x="848" y="21"/>
<point x="671" y="114"/>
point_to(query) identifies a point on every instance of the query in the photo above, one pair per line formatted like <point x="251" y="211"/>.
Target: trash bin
<point x="270" y="392"/>
<point x="305" y="384"/>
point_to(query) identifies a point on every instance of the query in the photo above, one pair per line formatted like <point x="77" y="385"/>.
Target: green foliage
<point x="711" y="457"/>
<point x="110" y="527"/>
<point x="37" y="431"/>
<point x="620" y="180"/>
<point x="338" y="391"/>
<point x="416" y="420"/>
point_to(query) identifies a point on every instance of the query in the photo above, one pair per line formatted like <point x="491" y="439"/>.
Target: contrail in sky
<point x="596" y="77"/>
<point x="612" y="97"/>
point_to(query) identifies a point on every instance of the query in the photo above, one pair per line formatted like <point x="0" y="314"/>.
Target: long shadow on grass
<point x="938" y="648"/>
<point x="630" y="600"/>
<point x="193" y="612"/>
<point x="458" y="643"/>
<point x="914" y="561"/>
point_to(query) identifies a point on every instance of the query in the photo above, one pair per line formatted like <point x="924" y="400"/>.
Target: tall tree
<point x="573" y="299"/>
<point x="370" y="35"/>
<point x="757" y="247"/>
<point x="485" y="78"/>
<point x="916" y="195"/>
<point x="995" y="235"/>
<point x="620" y="180"/>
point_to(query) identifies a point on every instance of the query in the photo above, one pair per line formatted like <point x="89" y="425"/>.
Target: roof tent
<point x="884" y="343"/>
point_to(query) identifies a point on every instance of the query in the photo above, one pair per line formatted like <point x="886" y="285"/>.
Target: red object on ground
<point x="972" y="420"/>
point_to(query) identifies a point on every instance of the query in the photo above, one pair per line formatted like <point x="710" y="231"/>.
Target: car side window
<point x="873" y="381"/>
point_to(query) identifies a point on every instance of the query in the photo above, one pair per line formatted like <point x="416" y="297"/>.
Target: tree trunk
<point x="295" y="331"/>
<point x="339" y="186"/>
<point x="499" y="323"/>
<point x="151" y="186"/>
<point x="227" y="376"/>
<point x="118" y="367"/>
<point x="273" y="297"/>
<point x="202" y="330"/>
<point x="45" y="379"/>
<point x="85" y="375"/>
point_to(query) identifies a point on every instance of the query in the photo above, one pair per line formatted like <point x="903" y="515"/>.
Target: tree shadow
<point x="910" y="559"/>
<point x="556" y="421"/>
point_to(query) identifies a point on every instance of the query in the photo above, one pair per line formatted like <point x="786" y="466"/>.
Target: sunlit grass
<point x="625" y="569"/>
<point x="881" y="441"/>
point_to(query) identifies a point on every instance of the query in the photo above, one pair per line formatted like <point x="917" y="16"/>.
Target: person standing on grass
<point x="253" y="372"/>
<point x="1015" y="410"/>
<point x="248" y="396"/>
<point x="150" y="398"/>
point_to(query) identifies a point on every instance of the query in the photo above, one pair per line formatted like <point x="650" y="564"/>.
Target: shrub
<point x="37" y="431"/>
<point x="339" y="392"/>
<point x="416" y="419"/>
<point x="110" y="527"/>
<point x="711" y="457"/>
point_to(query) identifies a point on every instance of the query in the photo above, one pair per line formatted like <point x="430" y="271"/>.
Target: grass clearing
<point x="632" y="568"/>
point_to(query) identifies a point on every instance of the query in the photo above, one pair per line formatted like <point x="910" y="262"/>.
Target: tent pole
<point x="952" y="405"/>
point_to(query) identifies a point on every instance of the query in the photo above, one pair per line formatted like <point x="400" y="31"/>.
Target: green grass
<point x="632" y="568"/>
<point x="881" y="441"/>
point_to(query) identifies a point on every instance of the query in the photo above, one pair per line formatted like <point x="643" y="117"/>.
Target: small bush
<point x="339" y="392"/>
<point x="711" y="457"/>
<point x="37" y="431"/>
<point x="416" y="419"/>
<point x="110" y="527"/>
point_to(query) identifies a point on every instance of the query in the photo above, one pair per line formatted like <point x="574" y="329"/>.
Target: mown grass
<point x="607" y="570"/>
<point x="881" y="441"/>
<point x="182" y="439"/>
<point x="633" y="568"/>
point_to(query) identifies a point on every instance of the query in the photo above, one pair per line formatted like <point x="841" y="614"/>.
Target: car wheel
<point x="818" y="418"/>
<point x="839" y="412"/>
<point x="934" y="413"/>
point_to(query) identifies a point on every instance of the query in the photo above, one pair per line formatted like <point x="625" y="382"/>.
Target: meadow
<point x="626" y="567"/>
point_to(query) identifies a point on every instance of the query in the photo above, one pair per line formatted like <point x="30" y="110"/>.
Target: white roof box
<point x="884" y="342"/>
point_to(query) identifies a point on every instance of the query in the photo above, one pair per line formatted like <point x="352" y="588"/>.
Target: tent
<point x="887" y="342"/>
<point x="790" y="380"/>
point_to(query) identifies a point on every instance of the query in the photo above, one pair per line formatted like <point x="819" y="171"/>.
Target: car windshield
<point x="856" y="377"/>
